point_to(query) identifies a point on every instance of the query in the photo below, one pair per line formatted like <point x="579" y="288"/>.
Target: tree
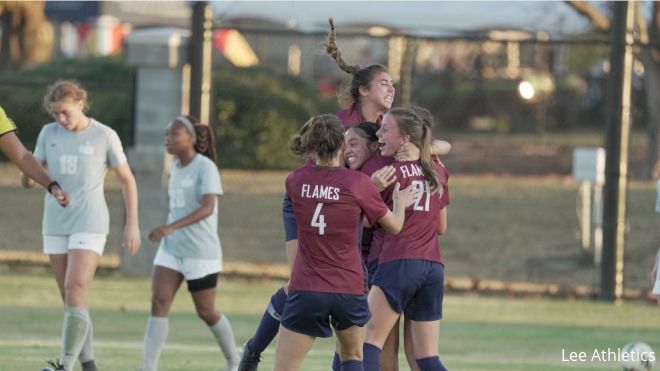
<point x="648" y="53"/>
<point x="27" y="36"/>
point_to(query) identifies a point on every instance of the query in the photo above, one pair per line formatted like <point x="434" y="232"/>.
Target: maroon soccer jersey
<point x="376" y="162"/>
<point x="418" y="238"/>
<point x="372" y="247"/>
<point x="328" y="203"/>
<point x="353" y="115"/>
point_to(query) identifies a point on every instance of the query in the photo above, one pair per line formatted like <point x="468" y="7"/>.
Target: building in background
<point x="97" y="28"/>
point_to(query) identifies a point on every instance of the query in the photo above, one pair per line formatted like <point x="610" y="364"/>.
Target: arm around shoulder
<point x="440" y="147"/>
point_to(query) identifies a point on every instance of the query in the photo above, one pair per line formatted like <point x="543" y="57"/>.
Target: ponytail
<point x="322" y="135"/>
<point x="205" y="143"/>
<point x="425" y="159"/>
<point x="361" y="76"/>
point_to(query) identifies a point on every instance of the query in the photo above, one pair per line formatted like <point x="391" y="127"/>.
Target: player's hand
<point x="131" y="238"/>
<point x="407" y="152"/>
<point x="159" y="233"/>
<point x="62" y="197"/>
<point x="407" y="196"/>
<point x="384" y="177"/>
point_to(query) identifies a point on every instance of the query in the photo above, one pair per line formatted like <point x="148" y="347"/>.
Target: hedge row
<point x="256" y="110"/>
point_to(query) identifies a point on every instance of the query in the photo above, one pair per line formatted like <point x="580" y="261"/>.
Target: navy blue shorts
<point x="289" y="219"/>
<point x="414" y="287"/>
<point x="372" y="267"/>
<point x="312" y="313"/>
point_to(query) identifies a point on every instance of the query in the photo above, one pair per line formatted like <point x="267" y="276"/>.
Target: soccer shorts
<point x="312" y="313"/>
<point x="190" y="268"/>
<point x="77" y="241"/>
<point x="414" y="287"/>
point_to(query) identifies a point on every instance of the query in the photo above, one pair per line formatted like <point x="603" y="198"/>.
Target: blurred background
<point x="516" y="87"/>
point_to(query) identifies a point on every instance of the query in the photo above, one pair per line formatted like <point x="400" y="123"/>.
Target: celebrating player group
<point x="361" y="217"/>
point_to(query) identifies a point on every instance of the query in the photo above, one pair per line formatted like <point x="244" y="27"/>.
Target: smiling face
<point x="389" y="136"/>
<point x="358" y="149"/>
<point x="69" y="114"/>
<point x="380" y="91"/>
<point x="178" y="139"/>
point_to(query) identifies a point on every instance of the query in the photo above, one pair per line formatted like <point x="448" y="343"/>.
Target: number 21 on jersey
<point x="318" y="220"/>
<point x="422" y="185"/>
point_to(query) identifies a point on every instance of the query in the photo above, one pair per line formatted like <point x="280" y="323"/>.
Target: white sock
<point x="74" y="331"/>
<point x="224" y="335"/>
<point x="154" y="339"/>
<point x="87" y="351"/>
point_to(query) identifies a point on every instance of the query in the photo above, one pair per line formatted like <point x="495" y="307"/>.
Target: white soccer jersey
<point x="186" y="187"/>
<point x="78" y="161"/>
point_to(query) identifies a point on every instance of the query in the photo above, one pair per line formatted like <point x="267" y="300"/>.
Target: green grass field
<point x="478" y="333"/>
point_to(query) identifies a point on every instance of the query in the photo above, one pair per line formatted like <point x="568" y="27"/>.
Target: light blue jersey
<point x="186" y="187"/>
<point x="78" y="161"/>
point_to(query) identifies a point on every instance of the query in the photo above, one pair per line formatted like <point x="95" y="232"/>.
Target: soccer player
<point x="410" y="274"/>
<point x="327" y="286"/>
<point x="19" y="155"/>
<point x="78" y="150"/>
<point x="361" y="149"/>
<point x="189" y="245"/>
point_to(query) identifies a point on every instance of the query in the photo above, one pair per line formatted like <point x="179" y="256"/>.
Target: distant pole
<point x="617" y="142"/>
<point x="407" y="63"/>
<point x="200" y="61"/>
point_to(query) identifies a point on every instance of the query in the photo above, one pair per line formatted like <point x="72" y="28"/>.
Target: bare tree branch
<point x="597" y="18"/>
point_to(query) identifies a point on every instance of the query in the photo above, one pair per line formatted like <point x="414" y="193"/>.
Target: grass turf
<point x="477" y="333"/>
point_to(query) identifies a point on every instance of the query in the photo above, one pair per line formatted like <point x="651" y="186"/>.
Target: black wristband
<point x="51" y="185"/>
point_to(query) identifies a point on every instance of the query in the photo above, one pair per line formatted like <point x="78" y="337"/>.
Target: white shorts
<point x="190" y="268"/>
<point x="77" y="241"/>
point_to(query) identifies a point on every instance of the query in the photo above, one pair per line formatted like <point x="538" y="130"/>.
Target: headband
<point x="186" y="122"/>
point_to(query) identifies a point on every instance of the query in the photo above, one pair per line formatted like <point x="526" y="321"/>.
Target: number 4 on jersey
<point x="318" y="220"/>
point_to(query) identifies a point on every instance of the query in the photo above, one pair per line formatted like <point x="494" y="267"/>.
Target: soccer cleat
<point x="54" y="366"/>
<point x="249" y="360"/>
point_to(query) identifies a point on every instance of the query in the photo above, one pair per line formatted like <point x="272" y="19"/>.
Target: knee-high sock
<point x="270" y="323"/>
<point x="430" y="364"/>
<point x="371" y="356"/>
<point x="74" y="331"/>
<point x="154" y="339"/>
<point x="87" y="351"/>
<point x="224" y="335"/>
<point x="353" y="365"/>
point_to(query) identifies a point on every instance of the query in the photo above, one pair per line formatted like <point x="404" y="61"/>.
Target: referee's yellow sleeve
<point x="6" y="125"/>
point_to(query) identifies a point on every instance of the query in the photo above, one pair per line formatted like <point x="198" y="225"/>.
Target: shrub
<point x="108" y="80"/>
<point x="257" y="111"/>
